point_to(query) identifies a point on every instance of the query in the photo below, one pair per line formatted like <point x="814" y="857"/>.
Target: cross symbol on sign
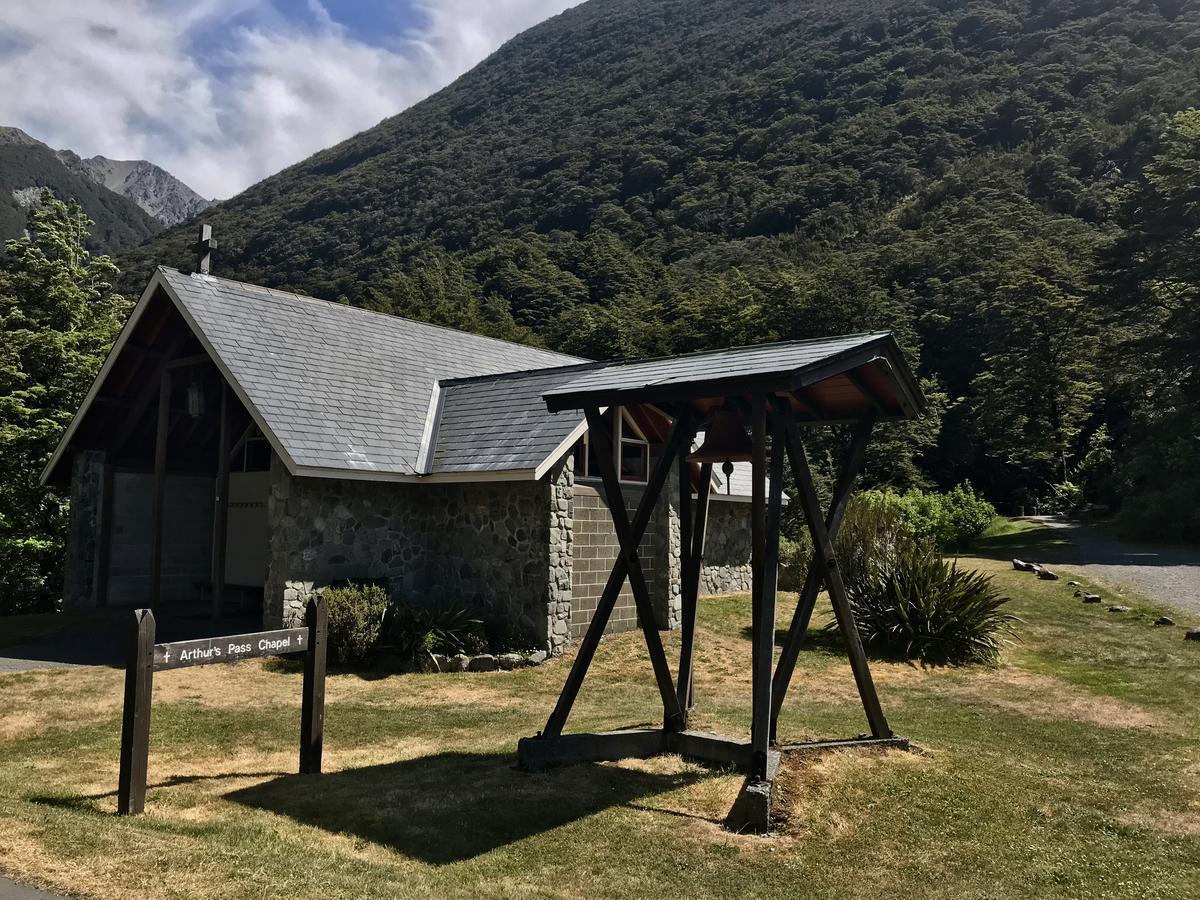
<point x="166" y="654"/>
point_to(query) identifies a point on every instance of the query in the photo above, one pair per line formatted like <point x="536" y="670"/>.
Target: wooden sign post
<point x="146" y="657"/>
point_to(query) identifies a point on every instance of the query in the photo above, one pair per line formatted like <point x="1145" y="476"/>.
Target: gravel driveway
<point x="1169" y="575"/>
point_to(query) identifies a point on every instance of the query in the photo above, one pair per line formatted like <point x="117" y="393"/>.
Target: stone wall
<point x="502" y="548"/>
<point x="87" y="489"/>
<point x="726" y="548"/>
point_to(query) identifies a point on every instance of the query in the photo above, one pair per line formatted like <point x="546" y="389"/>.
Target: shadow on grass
<point x="829" y="641"/>
<point x="817" y="639"/>
<point x="90" y="802"/>
<point x="451" y="807"/>
<point x="1040" y="544"/>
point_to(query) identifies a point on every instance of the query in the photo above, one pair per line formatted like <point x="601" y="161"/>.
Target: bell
<point x="725" y="440"/>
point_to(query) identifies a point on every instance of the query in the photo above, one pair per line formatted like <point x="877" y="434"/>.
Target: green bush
<point x="415" y="633"/>
<point x="910" y="602"/>
<point x="356" y="616"/>
<point x="874" y="522"/>
<point x="793" y="562"/>
<point x="1161" y="515"/>
<point x="966" y="516"/>
<point x="950" y="521"/>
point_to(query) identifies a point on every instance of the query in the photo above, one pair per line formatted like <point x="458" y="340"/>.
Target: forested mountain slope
<point x="27" y="167"/>
<point x="643" y="176"/>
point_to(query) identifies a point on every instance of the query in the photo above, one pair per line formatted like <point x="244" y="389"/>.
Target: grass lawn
<point x="1072" y="770"/>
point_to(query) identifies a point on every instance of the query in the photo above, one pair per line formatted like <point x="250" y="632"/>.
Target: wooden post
<point x="160" y="486"/>
<point x="826" y="559"/>
<point x="312" y="710"/>
<point x="683" y="431"/>
<point x="690" y="589"/>
<point x="766" y="576"/>
<point x="758" y="515"/>
<point x="599" y="434"/>
<point x="798" y="630"/>
<point x="135" y="723"/>
<point x="221" y="510"/>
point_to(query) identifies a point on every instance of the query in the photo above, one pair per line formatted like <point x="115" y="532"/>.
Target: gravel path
<point x="1169" y="575"/>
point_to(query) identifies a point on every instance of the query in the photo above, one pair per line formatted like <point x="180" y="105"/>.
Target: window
<point x="631" y="450"/>
<point x="255" y="455"/>
<point x="634" y="456"/>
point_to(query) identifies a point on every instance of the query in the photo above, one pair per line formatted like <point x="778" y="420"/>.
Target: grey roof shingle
<point x="340" y="387"/>
<point x="711" y="366"/>
<point x="500" y="422"/>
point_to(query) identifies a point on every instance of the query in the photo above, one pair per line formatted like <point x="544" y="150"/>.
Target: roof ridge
<point x="370" y="312"/>
<point x="521" y="373"/>
<point x="790" y="343"/>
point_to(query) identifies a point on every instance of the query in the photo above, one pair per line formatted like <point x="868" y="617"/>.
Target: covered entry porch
<point x="169" y="479"/>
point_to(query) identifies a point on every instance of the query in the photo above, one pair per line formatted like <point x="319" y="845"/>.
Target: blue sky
<point x="225" y="92"/>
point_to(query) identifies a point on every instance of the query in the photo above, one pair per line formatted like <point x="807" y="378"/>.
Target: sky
<point x="222" y="93"/>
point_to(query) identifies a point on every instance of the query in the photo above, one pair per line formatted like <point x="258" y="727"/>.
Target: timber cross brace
<point x="857" y="389"/>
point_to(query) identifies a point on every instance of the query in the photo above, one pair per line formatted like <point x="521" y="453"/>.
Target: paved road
<point x="10" y="890"/>
<point x="104" y="642"/>
<point x="1169" y="575"/>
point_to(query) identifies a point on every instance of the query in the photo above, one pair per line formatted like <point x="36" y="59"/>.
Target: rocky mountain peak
<point x="151" y="187"/>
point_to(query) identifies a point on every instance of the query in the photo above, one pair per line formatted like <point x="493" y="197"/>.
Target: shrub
<point x="793" y="563"/>
<point x="502" y="635"/>
<point x="949" y="521"/>
<point x="910" y="602"/>
<point x="1172" y="515"/>
<point x="355" y="620"/>
<point x="874" y="522"/>
<point x="966" y="516"/>
<point x="415" y="633"/>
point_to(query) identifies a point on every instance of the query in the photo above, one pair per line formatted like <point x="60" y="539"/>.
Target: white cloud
<point x="117" y="78"/>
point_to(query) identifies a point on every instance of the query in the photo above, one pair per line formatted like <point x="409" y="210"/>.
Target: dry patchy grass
<point x="1081" y="745"/>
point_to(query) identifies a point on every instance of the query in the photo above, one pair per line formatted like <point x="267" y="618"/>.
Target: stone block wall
<point x="596" y="551"/>
<point x="87" y="490"/>
<point x="726" y="567"/>
<point x="503" y="548"/>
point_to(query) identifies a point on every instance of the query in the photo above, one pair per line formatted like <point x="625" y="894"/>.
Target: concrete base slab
<point x="899" y="743"/>
<point x="537" y="753"/>
<point x="751" y="810"/>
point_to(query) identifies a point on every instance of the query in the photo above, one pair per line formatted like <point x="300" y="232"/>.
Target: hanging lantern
<point x="195" y="399"/>
<point x="725" y="440"/>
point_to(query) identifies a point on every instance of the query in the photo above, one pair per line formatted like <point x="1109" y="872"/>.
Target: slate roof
<point x="763" y="360"/>
<point x="343" y="391"/>
<point x="501" y="422"/>
<point x="339" y="387"/>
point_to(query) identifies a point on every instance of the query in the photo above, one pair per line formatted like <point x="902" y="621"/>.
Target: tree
<point x="1151" y="281"/>
<point x="1039" y="383"/>
<point x="58" y="317"/>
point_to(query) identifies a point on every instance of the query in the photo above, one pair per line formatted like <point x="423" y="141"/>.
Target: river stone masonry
<point x="726" y="567"/>
<point x="502" y="548"/>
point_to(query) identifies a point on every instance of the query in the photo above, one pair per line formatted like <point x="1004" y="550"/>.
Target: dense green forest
<point x="1008" y="184"/>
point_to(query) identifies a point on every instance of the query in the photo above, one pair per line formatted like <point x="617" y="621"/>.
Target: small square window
<point x="635" y="461"/>
<point x="255" y="456"/>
